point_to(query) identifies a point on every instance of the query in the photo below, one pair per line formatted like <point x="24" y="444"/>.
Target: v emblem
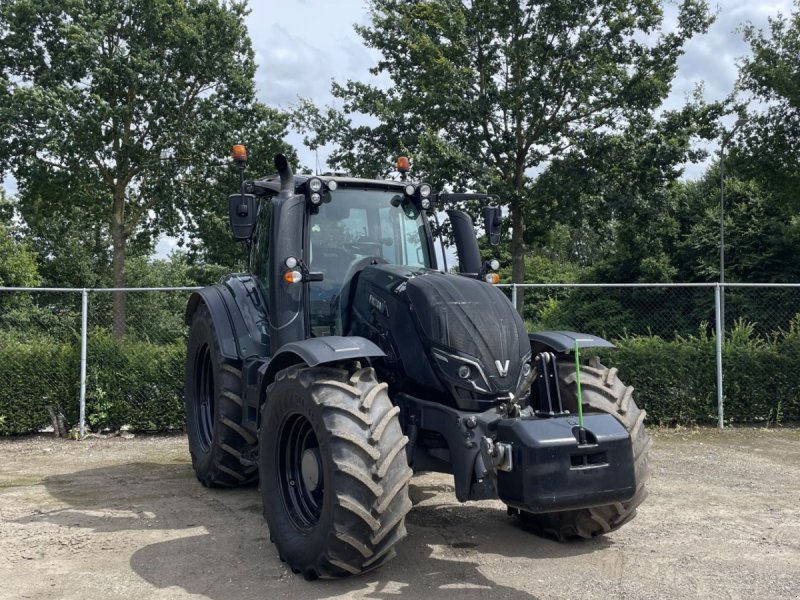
<point x="502" y="368"/>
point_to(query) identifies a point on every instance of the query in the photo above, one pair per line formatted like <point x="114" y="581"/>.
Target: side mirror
<point x="243" y="215"/>
<point x="492" y="219"/>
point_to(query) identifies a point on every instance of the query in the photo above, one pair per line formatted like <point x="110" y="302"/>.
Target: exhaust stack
<point x="285" y="171"/>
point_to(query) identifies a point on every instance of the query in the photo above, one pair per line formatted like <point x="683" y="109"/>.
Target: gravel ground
<point x="125" y="518"/>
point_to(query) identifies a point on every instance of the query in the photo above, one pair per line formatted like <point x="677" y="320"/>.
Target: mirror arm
<point x="446" y="197"/>
<point x="441" y="238"/>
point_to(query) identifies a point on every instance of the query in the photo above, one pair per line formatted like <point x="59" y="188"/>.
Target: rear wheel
<point x="334" y="476"/>
<point x="601" y="391"/>
<point x="213" y="402"/>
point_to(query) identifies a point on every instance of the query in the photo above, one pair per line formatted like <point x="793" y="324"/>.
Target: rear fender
<point x="564" y="341"/>
<point x="239" y="314"/>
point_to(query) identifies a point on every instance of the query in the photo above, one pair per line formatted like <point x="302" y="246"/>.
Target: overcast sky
<point x="302" y="45"/>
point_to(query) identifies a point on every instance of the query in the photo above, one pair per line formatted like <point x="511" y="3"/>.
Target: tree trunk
<point x="518" y="252"/>
<point x="118" y="241"/>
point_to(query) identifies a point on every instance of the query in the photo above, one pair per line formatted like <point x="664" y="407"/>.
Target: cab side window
<point x="259" y="249"/>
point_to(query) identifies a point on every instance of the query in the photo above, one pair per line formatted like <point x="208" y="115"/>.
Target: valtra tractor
<point x="344" y="361"/>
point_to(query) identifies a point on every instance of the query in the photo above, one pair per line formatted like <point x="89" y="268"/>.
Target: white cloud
<point x="301" y="47"/>
<point x="712" y="58"/>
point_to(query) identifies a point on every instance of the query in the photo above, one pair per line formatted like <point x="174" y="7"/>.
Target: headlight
<point x="425" y="203"/>
<point x="332" y="185"/>
<point x="424" y="190"/>
<point x="494" y="264"/>
<point x="315" y="184"/>
<point x="316" y="198"/>
<point x="410" y="189"/>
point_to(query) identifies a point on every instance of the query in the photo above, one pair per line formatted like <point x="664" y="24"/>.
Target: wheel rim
<point x="300" y="475"/>
<point x="204" y="397"/>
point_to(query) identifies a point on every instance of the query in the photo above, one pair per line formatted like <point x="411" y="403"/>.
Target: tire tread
<point x="370" y="471"/>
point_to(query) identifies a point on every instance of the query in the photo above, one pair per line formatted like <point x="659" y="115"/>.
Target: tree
<point x="17" y="263"/>
<point x="769" y="142"/>
<point x="618" y="193"/>
<point x="17" y="267"/>
<point x="485" y="94"/>
<point x="208" y="227"/>
<point x="761" y="234"/>
<point x="116" y="106"/>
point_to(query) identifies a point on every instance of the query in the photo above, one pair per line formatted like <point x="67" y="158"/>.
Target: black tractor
<point x="345" y="361"/>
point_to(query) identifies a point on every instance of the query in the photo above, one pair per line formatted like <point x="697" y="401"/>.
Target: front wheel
<point x="334" y="476"/>
<point x="601" y="391"/>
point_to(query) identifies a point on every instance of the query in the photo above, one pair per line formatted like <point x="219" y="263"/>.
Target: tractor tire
<point x="334" y="473"/>
<point x="602" y="391"/>
<point x="213" y="402"/>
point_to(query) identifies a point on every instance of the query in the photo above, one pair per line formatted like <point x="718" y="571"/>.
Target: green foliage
<point x="117" y="121"/>
<point x="129" y="382"/>
<point x="617" y="193"/>
<point x="617" y="312"/>
<point x="675" y="380"/>
<point x="540" y="268"/>
<point x="768" y="144"/>
<point x="35" y="372"/>
<point x="140" y="384"/>
<point x="761" y="233"/>
<point x="17" y="269"/>
<point x="523" y="82"/>
<point x="17" y="264"/>
<point x="135" y="383"/>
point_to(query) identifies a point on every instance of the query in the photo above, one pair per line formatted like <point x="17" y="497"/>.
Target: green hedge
<point x="140" y="384"/>
<point x="129" y="382"/>
<point x="34" y="373"/>
<point x="675" y="380"/>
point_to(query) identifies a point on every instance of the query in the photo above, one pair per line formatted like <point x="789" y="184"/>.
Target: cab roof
<point x="273" y="182"/>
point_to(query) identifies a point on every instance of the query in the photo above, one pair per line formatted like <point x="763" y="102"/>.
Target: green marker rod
<point x="578" y="382"/>
<point x="581" y="430"/>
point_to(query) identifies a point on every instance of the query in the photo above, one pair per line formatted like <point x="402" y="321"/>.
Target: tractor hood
<point x="448" y="332"/>
<point x="476" y="338"/>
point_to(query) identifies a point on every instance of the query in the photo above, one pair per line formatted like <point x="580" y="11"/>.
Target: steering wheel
<point x="360" y="265"/>
<point x="333" y="252"/>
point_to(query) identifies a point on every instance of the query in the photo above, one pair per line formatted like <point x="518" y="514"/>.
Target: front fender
<point x="319" y="351"/>
<point x="564" y="341"/>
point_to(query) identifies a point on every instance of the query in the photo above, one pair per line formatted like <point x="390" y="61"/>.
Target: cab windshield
<point x="355" y="229"/>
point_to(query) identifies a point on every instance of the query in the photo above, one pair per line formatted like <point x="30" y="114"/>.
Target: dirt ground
<point x="125" y="518"/>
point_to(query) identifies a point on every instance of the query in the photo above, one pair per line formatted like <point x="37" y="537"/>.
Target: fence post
<point x="84" y="321"/>
<point x="514" y="295"/>
<point x="718" y="319"/>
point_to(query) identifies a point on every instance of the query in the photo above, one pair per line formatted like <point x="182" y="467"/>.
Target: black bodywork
<point x="453" y="350"/>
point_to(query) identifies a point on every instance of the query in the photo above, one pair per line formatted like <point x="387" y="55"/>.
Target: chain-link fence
<point x="665" y="310"/>
<point x="63" y="365"/>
